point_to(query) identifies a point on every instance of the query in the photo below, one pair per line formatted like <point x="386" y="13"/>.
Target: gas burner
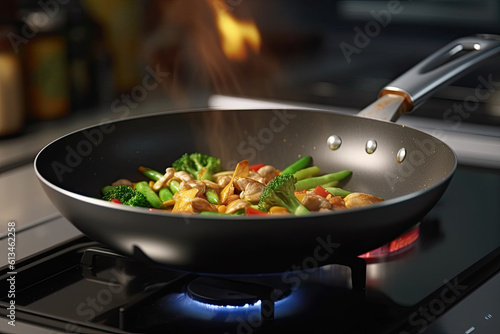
<point x="234" y="293"/>
<point x="239" y="293"/>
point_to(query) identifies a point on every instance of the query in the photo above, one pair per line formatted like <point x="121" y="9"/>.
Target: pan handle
<point x="416" y="85"/>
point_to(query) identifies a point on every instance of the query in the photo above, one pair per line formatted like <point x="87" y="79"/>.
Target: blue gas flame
<point x="186" y="306"/>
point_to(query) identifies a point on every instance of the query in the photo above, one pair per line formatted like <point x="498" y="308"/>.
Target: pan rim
<point x="105" y="204"/>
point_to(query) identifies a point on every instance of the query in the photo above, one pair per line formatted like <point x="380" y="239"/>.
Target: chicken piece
<point x="200" y="204"/>
<point x="223" y="180"/>
<point x="315" y="202"/>
<point x="236" y="206"/>
<point x="256" y="176"/>
<point x="337" y="202"/>
<point x="357" y="200"/>
<point x="232" y="198"/>
<point x="184" y="176"/>
<point x="268" y="172"/>
<point x="250" y="189"/>
<point x="194" y="184"/>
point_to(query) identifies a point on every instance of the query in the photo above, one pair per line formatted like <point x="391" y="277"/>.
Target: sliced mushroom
<point x="315" y="202"/>
<point x="169" y="174"/>
<point x="356" y="200"/>
<point x="236" y="206"/>
<point x="184" y="176"/>
<point x="122" y="182"/>
<point x="250" y="189"/>
<point x="212" y="185"/>
<point x="200" y="204"/>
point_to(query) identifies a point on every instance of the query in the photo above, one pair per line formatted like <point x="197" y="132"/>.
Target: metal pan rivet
<point x="401" y="155"/>
<point x="371" y="146"/>
<point x="334" y="142"/>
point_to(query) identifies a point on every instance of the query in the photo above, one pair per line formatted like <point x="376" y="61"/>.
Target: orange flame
<point x="236" y="36"/>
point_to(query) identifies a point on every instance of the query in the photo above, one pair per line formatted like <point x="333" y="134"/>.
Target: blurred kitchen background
<point x="65" y="64"/>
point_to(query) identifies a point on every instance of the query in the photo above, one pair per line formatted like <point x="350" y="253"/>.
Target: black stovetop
<point x="80" y="287"/>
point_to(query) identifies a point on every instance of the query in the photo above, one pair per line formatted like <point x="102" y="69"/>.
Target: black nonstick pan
<point x="406" y="167"/>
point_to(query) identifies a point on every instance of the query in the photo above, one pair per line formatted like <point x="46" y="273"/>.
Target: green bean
<point x="240" y="212"/>
<point x="165" y="194"/>
<point x="307" y="172"/>
<point x="150" y="173"/>
<point x="313" y="182"/>
<point x="174" y="186"/>
<point x="221" y="214"/>
<point x="329" y="184"/>
<point x="105" y="189"/>
<point x="337" y="191"/>
<point x="212" y="196"/>
<point x="298" y="165"/>
<point x="211" y="213"/>
<point x="153" y="199"/>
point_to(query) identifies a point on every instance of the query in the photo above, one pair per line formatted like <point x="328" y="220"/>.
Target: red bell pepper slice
<point x="256" y="167"/>
<point x="321" y="191"/>
<point x="254" y="212"/>
<point x="115" y="200"/>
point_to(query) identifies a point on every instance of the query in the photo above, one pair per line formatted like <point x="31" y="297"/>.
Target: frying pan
<point x="406" y="167"/>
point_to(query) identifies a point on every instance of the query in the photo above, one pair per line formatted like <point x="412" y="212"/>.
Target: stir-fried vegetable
<point x="307" y="172"/>
<point x="195" y="184"/>
<point x="212" y="196"/>
<point x="313" y="182"/>
<point x="280" y="192"/>
<point x="165" y="194"/>
<point x="200" y="165"/>
<point x="126" y="195"/>
<point x="150" y="173"/>
<point x="337" y="191"/>
<point x="302" y="163"/>
<point x="153" y="199"/>
<point x="241" y="170"/>
<point x="174" y="186"/>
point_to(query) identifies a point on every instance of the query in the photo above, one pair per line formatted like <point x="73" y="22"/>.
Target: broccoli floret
<point x="280" y="192"/>
<point x="200" y="165"/>
<point x="138" y="200"/>
<point x="125" y="194"/>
